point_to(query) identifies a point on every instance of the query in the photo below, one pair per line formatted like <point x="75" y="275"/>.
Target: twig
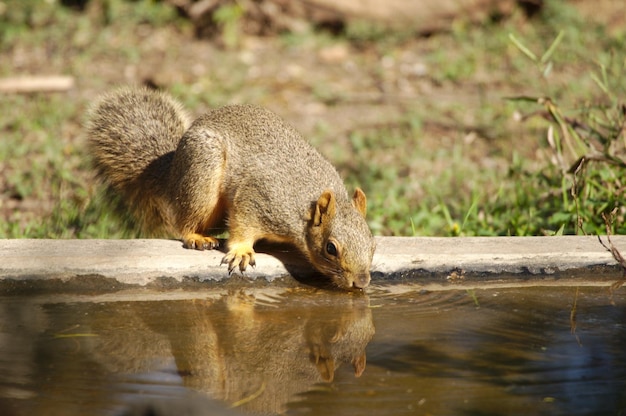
<point x="572" y="318"/>
<point x="614" y="252"/>
<point x="28" y="84"/>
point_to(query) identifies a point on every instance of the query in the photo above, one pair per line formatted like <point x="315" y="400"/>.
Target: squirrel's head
<point x="340" y="244"/>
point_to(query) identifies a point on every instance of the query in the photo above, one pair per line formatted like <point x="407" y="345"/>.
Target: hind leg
<point x="196" y="235"/>
<point x="198" y="203"/>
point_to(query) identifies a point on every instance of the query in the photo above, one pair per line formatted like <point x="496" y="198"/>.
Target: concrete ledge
<point x="109" y="265"/>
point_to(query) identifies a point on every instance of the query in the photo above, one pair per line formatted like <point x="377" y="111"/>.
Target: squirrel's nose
<point x="361" y="281"/>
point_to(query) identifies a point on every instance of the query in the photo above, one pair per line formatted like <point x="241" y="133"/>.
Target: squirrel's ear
<point x="324" y="208"/>
<point x="360" y="201"/>
<point x="359" y="364"/>
<point x="326" y="368"/>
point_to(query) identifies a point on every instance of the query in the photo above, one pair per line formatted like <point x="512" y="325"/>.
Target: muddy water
<point x="552" y="351"/>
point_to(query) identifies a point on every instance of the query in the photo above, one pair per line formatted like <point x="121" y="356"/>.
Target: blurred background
<point x="457" y="117"/>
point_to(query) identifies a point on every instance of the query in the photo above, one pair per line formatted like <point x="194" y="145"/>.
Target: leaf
<point x="560" y="230"/>
<point x="523" y="98"/>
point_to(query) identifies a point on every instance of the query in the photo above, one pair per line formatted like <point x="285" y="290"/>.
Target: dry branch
<point x="29" y="84"/>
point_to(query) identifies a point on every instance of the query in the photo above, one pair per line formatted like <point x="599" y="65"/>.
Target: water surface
<point x="543" y="350"/>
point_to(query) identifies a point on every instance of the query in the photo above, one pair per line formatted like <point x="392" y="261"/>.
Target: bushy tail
<point x="132" y="136"/>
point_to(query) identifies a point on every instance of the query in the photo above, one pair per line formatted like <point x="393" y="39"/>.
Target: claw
<point x="239" y="257"/>
<point x="200" y="242"/>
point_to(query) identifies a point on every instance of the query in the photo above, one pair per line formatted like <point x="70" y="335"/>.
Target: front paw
<point x="239" y="256"/>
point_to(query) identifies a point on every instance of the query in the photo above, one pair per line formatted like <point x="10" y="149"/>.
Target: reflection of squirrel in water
<point x="237" y="347"/>
<point x="240" y="165"/>
<point x="233" y="348"/>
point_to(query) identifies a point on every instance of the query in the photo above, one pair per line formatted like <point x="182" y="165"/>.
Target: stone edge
<point x="28" y="265"/>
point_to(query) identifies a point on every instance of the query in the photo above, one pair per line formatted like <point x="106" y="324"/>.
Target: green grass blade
<point x="600" y="84"/>
<point x="546" y="56"/>
<point x="522" y="48"/>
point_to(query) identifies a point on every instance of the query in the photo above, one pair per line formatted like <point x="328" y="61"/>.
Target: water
<point x="539" y="351"/>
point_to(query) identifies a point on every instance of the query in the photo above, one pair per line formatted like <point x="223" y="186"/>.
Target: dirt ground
<point x="345" y="86"/>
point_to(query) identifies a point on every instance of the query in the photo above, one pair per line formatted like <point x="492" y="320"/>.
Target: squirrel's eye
<point x="331" y="249"/>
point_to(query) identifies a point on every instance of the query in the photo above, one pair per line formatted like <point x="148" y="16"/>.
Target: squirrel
<point x="239" y="166"/>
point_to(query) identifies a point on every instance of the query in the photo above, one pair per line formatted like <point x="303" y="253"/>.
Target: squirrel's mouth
<point x="354" y="281"/>
<point x="361" y="281"/>
<point x="343" y="278"/>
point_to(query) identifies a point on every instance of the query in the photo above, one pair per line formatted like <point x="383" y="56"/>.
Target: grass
<point x="514" y="127"/>
<point x="542" y="195"/>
